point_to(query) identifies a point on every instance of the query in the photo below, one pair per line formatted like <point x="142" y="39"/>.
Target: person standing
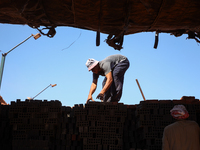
<point x="113" y="68"/>
<point x="182" y="134"/>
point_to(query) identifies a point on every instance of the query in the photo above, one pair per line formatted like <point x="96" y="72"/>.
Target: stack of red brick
<point x="152" y="116"/>
<point x="47" y="125"/>
<point x="101" y="125"/>
<point x="34" y="124"/>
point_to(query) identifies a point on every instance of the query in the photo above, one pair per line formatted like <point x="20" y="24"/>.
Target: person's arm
<point x="92" y="90"/>
<point x="2" y="101"/>
<point x="107" y="85"/>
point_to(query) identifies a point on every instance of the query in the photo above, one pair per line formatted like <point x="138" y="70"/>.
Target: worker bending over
<point x="113" y="68"/>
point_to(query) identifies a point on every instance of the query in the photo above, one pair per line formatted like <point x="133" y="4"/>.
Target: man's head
<point x="91" y="63"/>
<point x="179" y="112"/>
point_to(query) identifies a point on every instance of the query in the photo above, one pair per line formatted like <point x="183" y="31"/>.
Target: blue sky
<point x="166" y="73"/>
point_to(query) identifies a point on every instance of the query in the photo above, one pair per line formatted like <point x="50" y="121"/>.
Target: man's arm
<point x="92" y="90"/>
<point x="106" y="86"/>
<point x="2" y="101"/>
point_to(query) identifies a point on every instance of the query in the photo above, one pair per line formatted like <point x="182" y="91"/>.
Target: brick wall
<point x="47" y="125"/>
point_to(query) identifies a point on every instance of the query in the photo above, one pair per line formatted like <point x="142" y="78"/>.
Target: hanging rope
<point x="193" y="35"/>
<point x="156" y="40"/>
<point x="116" y="40"/>
<point x="99" y="25"/>
<point x="50" y="33"/>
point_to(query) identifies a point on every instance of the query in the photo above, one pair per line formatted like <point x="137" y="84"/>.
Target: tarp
<point x="113" y="17"/>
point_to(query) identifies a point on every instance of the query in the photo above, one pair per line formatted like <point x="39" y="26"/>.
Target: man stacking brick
<point x="113" y="68"/>
<point x="183" y="134"/>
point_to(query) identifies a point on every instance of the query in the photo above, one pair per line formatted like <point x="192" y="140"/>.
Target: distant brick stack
<point x="129" y="138"/>
<point x="34" y="124"/>
<point x="47" y="125"/>
<point x="101" y="125"/>
<point x="69" y="132"/>
<point x="153" y="116"/>
<point x="5" y="129"/>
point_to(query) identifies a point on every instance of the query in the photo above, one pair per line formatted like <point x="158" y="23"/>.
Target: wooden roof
<point x="113" y="17"/>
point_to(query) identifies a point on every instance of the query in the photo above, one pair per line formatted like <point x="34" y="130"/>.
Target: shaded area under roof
<point x="113" y="17"/>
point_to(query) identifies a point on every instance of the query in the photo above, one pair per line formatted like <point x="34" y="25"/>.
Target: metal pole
<point x="41" y="91"/>
<point x="19" y="44"/>
<point x="2" y="67"/>
<point x="140" y="89"/>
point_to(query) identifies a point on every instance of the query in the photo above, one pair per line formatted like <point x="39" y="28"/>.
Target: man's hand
<point x="89" y="98"/>
<point x="100" y="96"/>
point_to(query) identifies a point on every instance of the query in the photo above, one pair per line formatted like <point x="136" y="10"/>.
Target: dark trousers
<point x="114" y="93"/>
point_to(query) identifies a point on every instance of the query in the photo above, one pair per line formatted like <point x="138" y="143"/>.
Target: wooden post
<point x="140" y="89"/>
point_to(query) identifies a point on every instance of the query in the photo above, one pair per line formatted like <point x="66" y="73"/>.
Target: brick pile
<point x="151" y="119"/>
<point x="47" y="125"/>
<point x="5" y="129"/>
<point x="101" y="125"/>
<point x="34" y="124"/>
<point x="69" y="134"/>
<point x="129" y="139"/>
<point x="152" y="116"/>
